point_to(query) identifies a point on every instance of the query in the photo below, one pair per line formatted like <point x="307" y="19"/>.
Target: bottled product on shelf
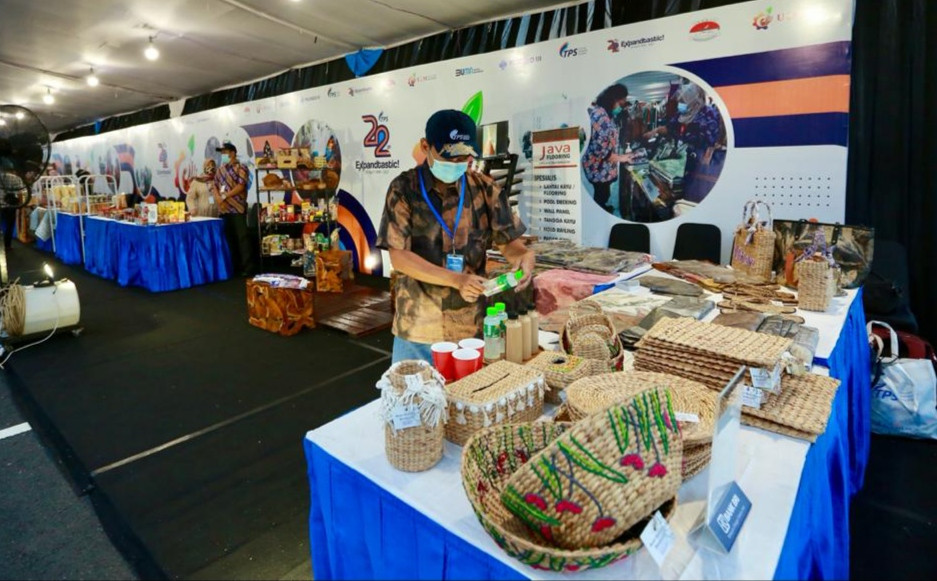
<point x="534" y="328"/>
<point x="524" y="318"/>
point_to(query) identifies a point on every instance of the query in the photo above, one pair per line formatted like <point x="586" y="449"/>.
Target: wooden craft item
<point x="279" y="310"/>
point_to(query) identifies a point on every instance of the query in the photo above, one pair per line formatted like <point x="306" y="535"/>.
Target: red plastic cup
<point x="467" y="362"/>
<point x="442" y="358"/>
<point x="476" y="344"/>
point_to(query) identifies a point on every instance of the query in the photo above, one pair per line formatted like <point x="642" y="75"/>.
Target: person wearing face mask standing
<point x="229" y="189"/>
<point x="601" y="158"/>
<point x="439" y="221"/>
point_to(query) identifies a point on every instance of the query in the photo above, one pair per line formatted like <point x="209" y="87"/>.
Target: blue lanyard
<point x="458" y="214"/>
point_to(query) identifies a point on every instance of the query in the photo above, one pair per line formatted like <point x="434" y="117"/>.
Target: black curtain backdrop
<point x="153" y="114"/>
<point x="892" y="148"/>
<point x="892" y="144"/>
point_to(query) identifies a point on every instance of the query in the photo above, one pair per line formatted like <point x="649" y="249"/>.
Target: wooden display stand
<point x="279" y="310"/>
<point x="22" y="226"/>
<point x="333" y="270"/>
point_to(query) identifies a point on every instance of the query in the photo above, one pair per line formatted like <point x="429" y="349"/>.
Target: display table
<point x="368" y="520"/>
<point x="68" y="238"/>
<point x="159" y="258"/>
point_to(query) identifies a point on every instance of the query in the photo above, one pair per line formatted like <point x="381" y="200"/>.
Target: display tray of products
<point x="283" y="213"/>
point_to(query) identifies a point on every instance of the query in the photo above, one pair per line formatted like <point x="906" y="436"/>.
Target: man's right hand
<point x="470" y="286"/>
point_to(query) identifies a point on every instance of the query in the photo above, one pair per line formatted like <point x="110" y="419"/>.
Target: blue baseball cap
<point x="452" y="133"/>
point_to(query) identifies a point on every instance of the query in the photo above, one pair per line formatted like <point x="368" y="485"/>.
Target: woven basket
<point x="413" y="383"/>
<point x="594" y="394"/>
<point x="602" y="476"/>
<point x="583" y="308"/>
<point x="696" y="459"/>
<point x="593" y="336"/>
<point x="753" y="245"/>
<point x="804" y="404"/>
<point x="489" y="458"/>
<point x="559" y="370"/>
<point x="502" y="392"/>
<point x="816" y="284"/>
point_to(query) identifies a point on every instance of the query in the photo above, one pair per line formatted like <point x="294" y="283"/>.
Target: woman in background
<point x="199" y="199"/>
<point x="601" y="158"/>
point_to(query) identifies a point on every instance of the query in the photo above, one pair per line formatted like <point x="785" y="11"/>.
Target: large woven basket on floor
<point x="601" y="476"/>
<point x="816" y="284"/>
<point x="502" y="392"/>
<point x="413" y="383"/>
<point x="489" y="458"/>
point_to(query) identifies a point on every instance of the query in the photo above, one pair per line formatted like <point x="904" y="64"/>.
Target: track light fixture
<point x="151" y="52"/>
<point x="48" y="99"/>
<point x="91" y="79"/>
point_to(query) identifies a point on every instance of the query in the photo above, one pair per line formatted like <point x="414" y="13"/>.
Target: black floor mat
<point x="185" y="423"/>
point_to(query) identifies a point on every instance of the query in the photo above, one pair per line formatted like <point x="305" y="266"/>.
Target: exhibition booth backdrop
<point x="771" y="81"/>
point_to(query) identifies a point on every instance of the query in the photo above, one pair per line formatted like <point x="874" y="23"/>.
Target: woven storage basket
<point x="594" y="394"/>
<point x="753" y="245"/>
<point x="559" y="370"/>
<point x="695" y="459"/>
<point x="489" y="459"/>
<point x="413" y="383"/>
<point x="602" y="476"/>
<point x="816" y="284"/>
<point x="593" y="336"/>
<point x="502" y="392"/>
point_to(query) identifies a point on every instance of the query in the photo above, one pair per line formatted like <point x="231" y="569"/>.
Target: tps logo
<point x="705" y="30"/>
<point x="566" y="52"/>
<point x="763" y="19"/>
<point x="378" y="136"/>
<point x="332" y="93"/>
<point x="456" y="136"/>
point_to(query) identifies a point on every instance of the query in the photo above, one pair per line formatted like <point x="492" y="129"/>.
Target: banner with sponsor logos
<point x="720" y="106"/>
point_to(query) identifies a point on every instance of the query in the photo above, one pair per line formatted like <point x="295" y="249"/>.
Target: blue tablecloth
<point x="44" y="245"/>
<point x="817" y="542"/>
<point x="68" y="238"/>
<point x="158" y="258"/>
<point x="385" y="538"/>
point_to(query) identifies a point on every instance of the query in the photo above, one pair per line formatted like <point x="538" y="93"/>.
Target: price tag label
<point x="658" y="538"/>
<point x="752" y="397"/>
<point x="686" y="417"/>
<point x="769" y="379"/>
<point x="405" y="416"/>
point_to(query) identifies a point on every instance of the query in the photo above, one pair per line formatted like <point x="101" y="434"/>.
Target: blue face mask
<point x="682" y="107"/>
<point x="616" y="110"/>
<point x="448" y="172"/>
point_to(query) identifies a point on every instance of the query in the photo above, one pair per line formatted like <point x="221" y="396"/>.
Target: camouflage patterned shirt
<point x="427" y="313"/>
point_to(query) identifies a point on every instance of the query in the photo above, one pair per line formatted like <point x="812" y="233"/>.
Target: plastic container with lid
<point x="524" y="318"/>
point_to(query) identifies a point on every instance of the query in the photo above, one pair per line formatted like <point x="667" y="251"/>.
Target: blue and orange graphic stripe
<point x="789" y="97"/>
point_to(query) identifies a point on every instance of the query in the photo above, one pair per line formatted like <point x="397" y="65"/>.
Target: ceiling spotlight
<point x="3" y="122"/>
<point x="91" y="79"/>
<point x="48" y="99"/>
<point x="20" y="115"/>
<point x="151" y="52"/>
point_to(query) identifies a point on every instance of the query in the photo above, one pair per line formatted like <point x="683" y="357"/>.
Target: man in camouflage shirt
<point x="440" y="283"/>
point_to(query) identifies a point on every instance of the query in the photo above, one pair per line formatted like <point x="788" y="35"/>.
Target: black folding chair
<point x="698" y="242"/>
<point x="630" y="236"/>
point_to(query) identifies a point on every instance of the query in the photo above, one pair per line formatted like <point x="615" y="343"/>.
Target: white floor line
<point x="14" y="430"/>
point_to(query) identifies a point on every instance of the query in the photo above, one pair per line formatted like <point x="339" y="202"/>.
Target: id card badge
<point x="455" y="262"/>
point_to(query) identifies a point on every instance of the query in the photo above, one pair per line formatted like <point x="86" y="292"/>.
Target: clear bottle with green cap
<point x="502" y="282"/>
<point x="502" y="315"/>
<point x="493" y="335"/>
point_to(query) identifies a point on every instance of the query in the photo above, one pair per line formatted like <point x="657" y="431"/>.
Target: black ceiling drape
<point x="158" y="113"/>
<point x="892" y="143"/>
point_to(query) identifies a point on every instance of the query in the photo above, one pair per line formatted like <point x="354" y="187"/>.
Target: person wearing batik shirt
<point x="439" y="221"/>
<point x="230" y="191"/>
<point x="601" y="158"/>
